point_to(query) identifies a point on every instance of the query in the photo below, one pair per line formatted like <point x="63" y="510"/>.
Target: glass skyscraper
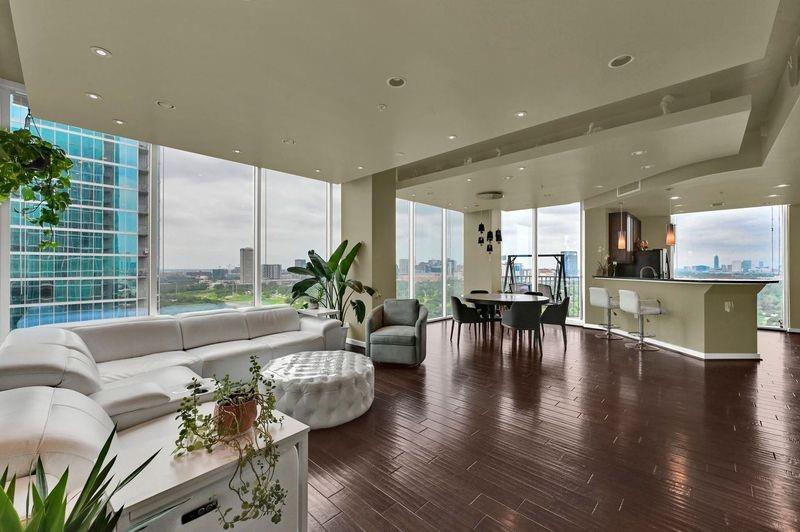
<point x="99" y="269"/>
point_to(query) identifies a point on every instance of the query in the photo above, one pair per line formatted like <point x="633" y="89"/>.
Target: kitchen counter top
<point x="700" y="281"/>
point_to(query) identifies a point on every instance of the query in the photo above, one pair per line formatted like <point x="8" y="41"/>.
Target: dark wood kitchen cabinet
<point x="633" y="234"/>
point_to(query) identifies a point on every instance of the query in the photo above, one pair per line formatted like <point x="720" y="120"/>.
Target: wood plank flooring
<point x="599" y="437"/>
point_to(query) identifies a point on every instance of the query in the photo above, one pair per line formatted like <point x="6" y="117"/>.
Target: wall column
<point x="368" y="216"/>
<point x="481" y="270"/>
<point x="595" y="239"/>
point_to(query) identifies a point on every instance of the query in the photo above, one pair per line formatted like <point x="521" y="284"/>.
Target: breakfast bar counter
<point x="703" y="318"/>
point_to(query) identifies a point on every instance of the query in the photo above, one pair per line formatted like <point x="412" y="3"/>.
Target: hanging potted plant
<point x="37" y="171"/>
<point x="242" y="415"/>
<point x="326" y="282"/>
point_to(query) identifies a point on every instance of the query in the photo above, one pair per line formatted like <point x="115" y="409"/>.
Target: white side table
<point x="319" y="312"/>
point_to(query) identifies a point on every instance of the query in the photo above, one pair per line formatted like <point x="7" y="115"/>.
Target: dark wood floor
<point x="599" y="437"/>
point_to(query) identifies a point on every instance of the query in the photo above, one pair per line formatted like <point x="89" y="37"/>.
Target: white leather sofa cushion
<point x="47" y="365"/>
<point x="212" y="327"/>
<point x="270" y="320"/>
<point x="324" y="388"/>
<point x="48" y="335"/>
<point x="147" y="396"/>
<point x="63" y="427"/>
<point x="128" y="367"/>
<point x="231" y="358"/>
<point x="119" y="339"/>
<point x="284" y="343"/>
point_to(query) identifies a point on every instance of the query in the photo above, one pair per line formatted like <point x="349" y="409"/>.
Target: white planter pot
<point x="337" y="338"/>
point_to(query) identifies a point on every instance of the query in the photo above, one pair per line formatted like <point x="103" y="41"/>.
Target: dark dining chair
<point x="557" y="315"/>
<point x="534" y="294"/>
<point x="487" y="312"/>
<point x="463" y="314"/>
<point x="546" y="290"/>
<point x="523" y="316"/>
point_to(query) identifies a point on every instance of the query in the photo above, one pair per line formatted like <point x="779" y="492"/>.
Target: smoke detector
<point x="490" y="195"/>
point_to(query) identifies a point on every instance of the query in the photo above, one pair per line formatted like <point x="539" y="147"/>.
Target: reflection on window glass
<point x="99" y="269"/>
<point x="559" y="232"/>
<point x="402" y="209"/>
<point x="428" y="258"/>
<point x="455" y="257"/>
<point x="207" y="258"/>
<point x="517" y="227"/>
<point x="735" y="244"/>
<point x="295" y="224"/>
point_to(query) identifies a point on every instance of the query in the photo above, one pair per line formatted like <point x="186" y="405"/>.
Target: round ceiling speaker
<point x="490" y="195"/>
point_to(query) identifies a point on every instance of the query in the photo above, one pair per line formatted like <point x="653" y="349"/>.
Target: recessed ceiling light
<point x="94" y="96"/>
<point x="637" y="153"/>
<point x="164" y="104"/>
<point x="100" y="51"/>
<point x="598" y="186"/>
<point x="648" y="166"/>
<point x="469" y="180"/>
<point x="521" y="114"/>
<point x="620" y="61"/>
<point x="288" y="141"/>
<point x="118" y="122"/>
<point x="451" y="137"/>
<point x="508" y="178"/>
<point x="382" y="107"/>
<point x="236" y="150"/>
<point x="317" y="170"/>
<point x="521" y="168"/>
<point x="718" y="204"/>
<point x="678" y="205"/>
<point x="773" y="195"/>
<point x="413" y="195"/>
<point x="396" y="82"/>
<point x="675" y="197"/>
<point x="359" y="167"/>
<point x="783" y="185"/>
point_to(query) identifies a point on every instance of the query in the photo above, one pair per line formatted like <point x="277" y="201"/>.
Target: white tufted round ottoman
<point x="322" y="388"/>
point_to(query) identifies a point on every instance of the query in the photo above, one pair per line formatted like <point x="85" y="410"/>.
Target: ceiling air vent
<point x="492" y="194"/>
<point x="630" y="188"/>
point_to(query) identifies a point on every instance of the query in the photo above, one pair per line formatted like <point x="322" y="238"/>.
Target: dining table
<point x="501" y="299"/>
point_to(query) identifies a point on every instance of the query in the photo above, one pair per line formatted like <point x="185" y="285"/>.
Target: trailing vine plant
<point x="38" y="171"/>
<point x="260" y="494"/>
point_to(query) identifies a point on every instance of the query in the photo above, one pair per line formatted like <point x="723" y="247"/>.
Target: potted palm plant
<point x="327" y="282"/>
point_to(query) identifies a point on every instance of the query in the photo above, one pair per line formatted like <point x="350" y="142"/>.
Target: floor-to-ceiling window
<point x="454" y="253"/>
<point x="737" y="244"/>
<point x="207" y="233"/>
<point x="428" y="258"/>
<point x="295" y="223"/>
<point x="518" y="231"/>
<point x="558" y="232"/>
<point x="402" y="248"/>
<point x="99" y="268"/>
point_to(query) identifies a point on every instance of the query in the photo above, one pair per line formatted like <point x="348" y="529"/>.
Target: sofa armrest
<point x="421" y="332"/>
<point x="422" y="320"/>
<point x="373" y="323"/>
<point x="319" y="326"/>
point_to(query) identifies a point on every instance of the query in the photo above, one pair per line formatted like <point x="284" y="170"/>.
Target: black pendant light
<point x="481" y="228"/>
<point x="498" y="237"/>
<point x="489" y="236"/>
<point x="489" y="248"/>
<point x="480" y="240"/>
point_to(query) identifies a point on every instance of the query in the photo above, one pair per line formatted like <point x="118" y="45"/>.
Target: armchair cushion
<point x="400" y="312"/>
<point x="394" y="335"/>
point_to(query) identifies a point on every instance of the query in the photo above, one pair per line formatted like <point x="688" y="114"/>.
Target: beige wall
<point x="792" y="273"/>
<point x="595" y="238"/>
<point x="368" y="216"/>
<point x="481" y="270"/>
<point x="654" y="230"/>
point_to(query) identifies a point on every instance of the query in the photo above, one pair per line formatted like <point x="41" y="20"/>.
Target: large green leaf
<point x="333" y="261"/>
<point x="360" y="309"/>
<point x="301" y="287"/>
<point x="320" y="265"/>
<point x="297" y="270"/>
<point x="9" y="520"/>
<point x="347" y="261"/>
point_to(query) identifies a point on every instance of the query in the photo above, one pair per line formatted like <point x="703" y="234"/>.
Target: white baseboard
<point x="680" y="349"/>
<point x="357" y="343"/>
<point x="793" y="330"/>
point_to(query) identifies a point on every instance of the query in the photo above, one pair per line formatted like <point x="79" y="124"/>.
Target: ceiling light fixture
<point x="94" y="96"/>
<point x="508" y="178"/>
<point x="382" y="107"/>
<point x="783" y="185"/>
<point x="774" y="196"/>
<point x="598" y="186"/>
<point x="469" y="180"/>
<point x="288" y="141"/>
<point x="679" y="205"/>
<point x="637" y="153"/>
<point x="396" y="82"/>
<point x="675" y="198"/>
<point x="648" y="166"/>
<point x="451" y="137"/>
<point x="237" y="151"/>
<point x="118" y="122"/>
<point x="100" y="51"/>
<point x="521" y="114"/>
<point x="165" y="104"/>
<point x="317" y="170"/>
<point x="521" y="168"/>
<point x="359" y="167"/>
<point x="620" y="61"/>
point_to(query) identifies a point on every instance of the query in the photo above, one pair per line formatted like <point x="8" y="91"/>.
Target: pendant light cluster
<point x="495" y="236"/>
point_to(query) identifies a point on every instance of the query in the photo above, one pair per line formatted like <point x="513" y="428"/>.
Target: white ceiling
<point x="246" y="74"/>
<point x="584" y="166"/>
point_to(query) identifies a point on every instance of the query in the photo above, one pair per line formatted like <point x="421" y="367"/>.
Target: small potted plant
<point x="243" y="412"/>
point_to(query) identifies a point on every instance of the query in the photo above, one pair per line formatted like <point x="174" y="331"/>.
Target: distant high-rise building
<point x="403" y="267"/>
<point x="219" y="274"/>
<point x="300" y="263"/>
<point x="247" y="266"/>
<point x="99" y="269"/>
<point x="271" y="271"/>
<point x="736" y="266"/>
<point x="716" y="262"/>
<point x="747" y="265"/>
<point x="570" y="263"/>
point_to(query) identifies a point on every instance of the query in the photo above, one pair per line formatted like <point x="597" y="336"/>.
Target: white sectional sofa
<point x="138" y="368"/>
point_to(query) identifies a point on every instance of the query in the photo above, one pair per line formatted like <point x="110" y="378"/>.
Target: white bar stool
<point x="599" y="297"/>
<point x="629" y="302"/>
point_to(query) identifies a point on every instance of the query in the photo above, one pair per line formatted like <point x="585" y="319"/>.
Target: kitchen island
<point x="703" y="318"/>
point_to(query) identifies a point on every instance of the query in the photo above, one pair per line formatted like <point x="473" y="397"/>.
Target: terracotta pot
<point x="234" y="419"/>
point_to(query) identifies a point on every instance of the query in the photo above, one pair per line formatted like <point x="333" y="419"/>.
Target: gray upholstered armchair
<point x="396" y="332"/>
